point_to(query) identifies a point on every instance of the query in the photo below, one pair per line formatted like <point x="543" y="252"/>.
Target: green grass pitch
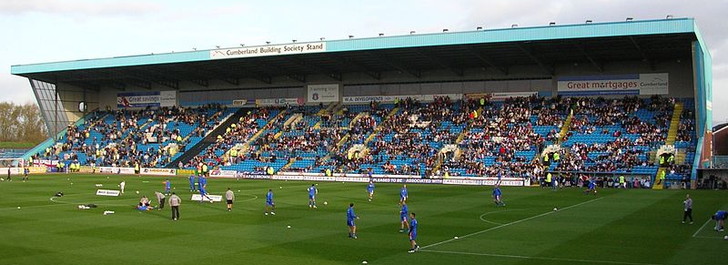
<point x="615" y="227"/>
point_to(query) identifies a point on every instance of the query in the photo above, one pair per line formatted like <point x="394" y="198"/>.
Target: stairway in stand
<point x="671" y="137"/>
<point x="208" y="140"/>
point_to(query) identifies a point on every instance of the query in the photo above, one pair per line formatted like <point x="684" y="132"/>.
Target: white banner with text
<point x="323" y="93"/>
<point x="390" y="99"/>
<point x="268" y="50"/>
<point x="112" y="193"/>
<point x="159" y="171"/>
<point x="629" y="84"/>
<point x="198" y="197"/>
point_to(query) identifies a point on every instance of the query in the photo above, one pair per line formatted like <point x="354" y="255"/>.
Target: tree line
<point x="21" y="123"/>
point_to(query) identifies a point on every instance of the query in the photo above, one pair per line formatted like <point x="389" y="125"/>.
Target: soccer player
<point x="719" y="218"/>
<point x="688" y="206"/>
<point x="122" y="185"/>
<point x="167" y="186"/>
<point x="25" y="173"/>
<point x="497" y="193"/>
<point x="160" y="199"/>
<point x="350" y="217"/>
<point x="370" y="190"/>
<point x="403" y="194"/>
<point x="192" y="183"/>
<point x="312" y="191"/>
<point x="592" y="188"/>
<point x="230" y="197"/>
<point x="413" y="234"/>
<point x="270" y="206"/>
<point x="174" y="202"/>
<point x="202" y="186"/>
<point x="403" y="216"/>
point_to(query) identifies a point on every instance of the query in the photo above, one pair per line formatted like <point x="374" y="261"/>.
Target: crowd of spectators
<point x="499" y="132"/>
<point x="498" y="137"/>
<point x="238" y="133"/>
<point x="618" y="154"/>
<point x="128" y="140"/>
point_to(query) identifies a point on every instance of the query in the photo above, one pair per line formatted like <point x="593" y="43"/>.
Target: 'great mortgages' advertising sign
<point x="630" y="84"/>
<point x="146" y="99"/>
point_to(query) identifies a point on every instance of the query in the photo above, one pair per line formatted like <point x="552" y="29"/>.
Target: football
<point x="556" y="209"/>
<point x="326" y="203"/>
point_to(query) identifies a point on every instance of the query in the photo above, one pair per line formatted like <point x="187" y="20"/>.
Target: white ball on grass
<point x="326" y="203"/>
<point x="556" y="209"/>
<point x="137" y="192"/>
<point x="364" y="262"/>
<point x="18" y="207"/>
<point x="456" y="237"/>
<point x="725" y="237"/>
<point x="289" y="227"/>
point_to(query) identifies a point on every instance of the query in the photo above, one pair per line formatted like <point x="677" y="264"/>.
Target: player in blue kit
<point x="370" y="190"/>
<point x="270" y="206"/>
<point x="413" y="234"/>
<point x="202" y="186"/>
<point x="350" y="217"/>
<point x="167" y="187"/>
<point x="719" y="218"/>
<point x="312" y="191"/>
<point x="497" y="194"/>
<point x="592" y="187"/>
<point x="403" y="215"/>
<point x="403" y="194"/>
<point x="192" y="183"/>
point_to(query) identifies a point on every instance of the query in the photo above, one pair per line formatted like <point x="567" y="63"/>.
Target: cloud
<point x="77" y="7"/>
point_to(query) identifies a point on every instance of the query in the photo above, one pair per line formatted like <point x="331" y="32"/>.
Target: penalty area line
<point x="539" y="258"/>
<point x="509" y="224"/>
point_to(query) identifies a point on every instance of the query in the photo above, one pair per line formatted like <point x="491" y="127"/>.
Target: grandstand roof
<point x="590" y="44"/>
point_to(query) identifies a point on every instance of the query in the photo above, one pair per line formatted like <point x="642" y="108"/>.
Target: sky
<point x="36" y="31"/>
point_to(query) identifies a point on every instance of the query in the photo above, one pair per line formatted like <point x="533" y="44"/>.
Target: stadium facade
<point x="666" y="57"/>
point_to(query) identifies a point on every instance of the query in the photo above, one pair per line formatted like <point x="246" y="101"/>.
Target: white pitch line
<point x="511" y="223"/>
<point x="701" y="228"/>
<point x="541" y="258"/>
<point x="489" y="213"/>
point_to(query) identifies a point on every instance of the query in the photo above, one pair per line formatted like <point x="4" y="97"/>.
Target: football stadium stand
<point x="599" y="99"/>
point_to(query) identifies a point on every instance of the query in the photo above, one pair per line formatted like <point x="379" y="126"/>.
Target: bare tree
<point x="21" y="123"/>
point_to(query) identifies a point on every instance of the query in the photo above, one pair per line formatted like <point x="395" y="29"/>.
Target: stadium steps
<point x="674" y="124"/>
<point x="458" y="140"/>
<point x="287" y="165"/>
<point x="662" y="183"/>
<point x="357" y="118"/>
<point x="681" y="157"/>
<point x="671" y="136"/>
<point x="566" y="127"/>
<point x="322" y="112"/>
<point x="379" y="125"/>
<point x="293" y="120"/>
<point x="209" y="139"/>
<point x="144" y="125"/>
<point x="262" y="130"/>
